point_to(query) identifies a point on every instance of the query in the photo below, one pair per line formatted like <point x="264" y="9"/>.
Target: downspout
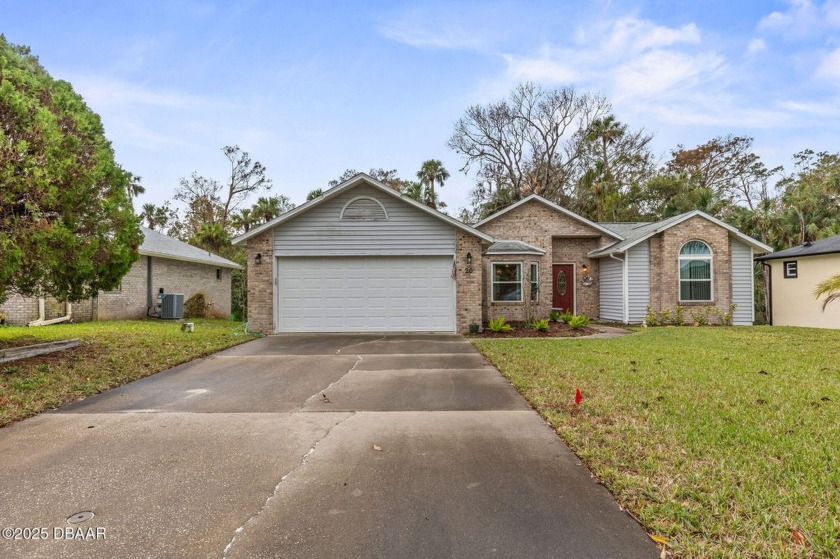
<point x="42" y="313"/>
<point x="625" y="310"/>
<point x="148" y="285"/>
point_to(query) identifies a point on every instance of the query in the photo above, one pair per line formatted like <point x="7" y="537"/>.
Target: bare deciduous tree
<point x="529" y="142"/>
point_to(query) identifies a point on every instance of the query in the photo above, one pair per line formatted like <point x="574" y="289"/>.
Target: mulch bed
<point x="555" y="330"/>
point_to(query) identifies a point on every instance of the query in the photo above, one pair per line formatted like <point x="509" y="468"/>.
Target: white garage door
<point x="366" y="294"/>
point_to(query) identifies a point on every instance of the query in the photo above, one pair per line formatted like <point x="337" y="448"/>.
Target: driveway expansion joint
<point x="279" y="484"/>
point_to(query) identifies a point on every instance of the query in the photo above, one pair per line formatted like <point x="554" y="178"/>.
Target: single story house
<point x="165" y="264"/>
<point x="794" y="274"/>
<point x="362" y="257"/>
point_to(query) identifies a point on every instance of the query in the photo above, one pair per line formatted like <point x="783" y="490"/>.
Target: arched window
<point x="364" y="209"/>
<point x="696" y="272"/>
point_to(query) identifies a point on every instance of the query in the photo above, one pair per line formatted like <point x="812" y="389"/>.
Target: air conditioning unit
<point x="171" y="305"/>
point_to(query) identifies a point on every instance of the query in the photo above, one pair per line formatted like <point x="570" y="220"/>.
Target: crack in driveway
<point x="323" y="392"/>
<point x="279" y="484"/>
<point x="339" y="350"/>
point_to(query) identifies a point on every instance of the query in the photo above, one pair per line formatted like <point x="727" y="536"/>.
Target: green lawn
<point x="112" y="353"/>
<point x="725" y="441"/>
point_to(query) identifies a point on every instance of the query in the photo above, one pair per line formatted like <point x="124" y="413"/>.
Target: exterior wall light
<point x="584" y="269"/>
<point x="258" y="259"/>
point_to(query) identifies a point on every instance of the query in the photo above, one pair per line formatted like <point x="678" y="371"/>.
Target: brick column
<point x="261" y="283"/>
<point x="467" y="285"/>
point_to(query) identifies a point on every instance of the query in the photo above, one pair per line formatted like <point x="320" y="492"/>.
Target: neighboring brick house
<point x="364" y="257"/>
<point x="165" y="264"/>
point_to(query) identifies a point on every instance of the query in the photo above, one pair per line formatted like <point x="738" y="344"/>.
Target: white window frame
<point x="534" y="280"/>
<point x="493" y="281"/>
<point x="791" y="269"/>
<point x="683" y="257"/>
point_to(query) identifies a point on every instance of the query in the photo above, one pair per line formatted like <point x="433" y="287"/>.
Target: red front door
<point x="563" y="276"/>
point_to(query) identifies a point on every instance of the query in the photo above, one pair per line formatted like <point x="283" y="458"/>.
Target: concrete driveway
<point x="309" y="446"/>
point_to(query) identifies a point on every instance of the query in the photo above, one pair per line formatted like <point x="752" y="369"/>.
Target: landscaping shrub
<point x="540" y="325"/>
<point x="578" y="321"/>
<point x="499" y="325"/>
<point x="196" y="306"/>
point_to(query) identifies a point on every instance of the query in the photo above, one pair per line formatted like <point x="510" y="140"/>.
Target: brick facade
<point x="664" y="265"/>
<point x="128" y="301"/>
<point x="565" y="240"/>
<point x="467" y="284"/>
<point x="569" y="250"/>
<point x="261" y="283"/>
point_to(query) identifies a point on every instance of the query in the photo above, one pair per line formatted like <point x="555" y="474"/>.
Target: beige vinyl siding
<point x="321" y="232"/>
<point x="742" y="283"/>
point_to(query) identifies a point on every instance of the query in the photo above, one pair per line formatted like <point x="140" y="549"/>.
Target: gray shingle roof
<point x="158" y="244"/>
<point x="513" y="247"/>
<point x="633" y="232"/>
<point x="830" y="245"/>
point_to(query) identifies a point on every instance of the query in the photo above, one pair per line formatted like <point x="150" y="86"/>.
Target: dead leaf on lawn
<point x="377" y="447"/>
<point x="659" y="539"/>
<point x="763" y="372"/>
<point x="798" y="537"/>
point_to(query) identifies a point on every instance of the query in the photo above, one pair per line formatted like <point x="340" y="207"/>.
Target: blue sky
<point x="312" y="88"/>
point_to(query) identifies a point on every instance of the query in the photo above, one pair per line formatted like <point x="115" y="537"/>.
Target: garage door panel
<point x="357" y="294"/>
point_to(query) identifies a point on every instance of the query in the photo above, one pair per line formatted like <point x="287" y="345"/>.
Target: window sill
<point x="696" y="303"/>
<point x="506" y="303"/>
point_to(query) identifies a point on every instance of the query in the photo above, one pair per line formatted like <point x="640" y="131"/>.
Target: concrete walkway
<point x="309" y="446"/>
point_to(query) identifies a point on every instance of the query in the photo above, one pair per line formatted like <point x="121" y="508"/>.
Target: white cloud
<point x="828" y="109"/>
<point x="661" y="71"/>
<point x="803" y="19"/>
<point x="630" y="34"/>
<point x="756" y="46"/>
<point x="543" y="69"/>
<point x="829" y="67"/>
<point x="106" y="92"/>
<point x="416" y="30"/>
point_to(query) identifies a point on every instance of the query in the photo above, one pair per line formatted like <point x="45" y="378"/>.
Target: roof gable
<point x="164" y="246"/>
<point x="357" y="180"/>
<point x="644" y="231"/>
<point x="553" y="206"/>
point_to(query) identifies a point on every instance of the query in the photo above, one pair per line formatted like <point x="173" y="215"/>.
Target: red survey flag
<point x="578" y="397"/>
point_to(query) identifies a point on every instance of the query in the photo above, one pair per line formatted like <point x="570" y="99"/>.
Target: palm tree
<point x="432" y="171"/>
<point x="267" y="209"/>
<point x="243" y="220"/>
<point x="604" y="132"/>
<point x="314" y="194"/>
<point x="830" y="288"/>
<point x="148" y="214"/>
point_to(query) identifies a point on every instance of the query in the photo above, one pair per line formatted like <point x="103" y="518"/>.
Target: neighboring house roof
<point x="634" y="234"/>
<point x="553" y="206"/>
<point x="830" y="245"/>
<point x="350" y="183"/>
<point x="513" y="247"/>
<point x="160" y="245"/>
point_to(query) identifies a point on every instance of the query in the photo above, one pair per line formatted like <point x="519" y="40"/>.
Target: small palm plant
<point x="830" y="288"/>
